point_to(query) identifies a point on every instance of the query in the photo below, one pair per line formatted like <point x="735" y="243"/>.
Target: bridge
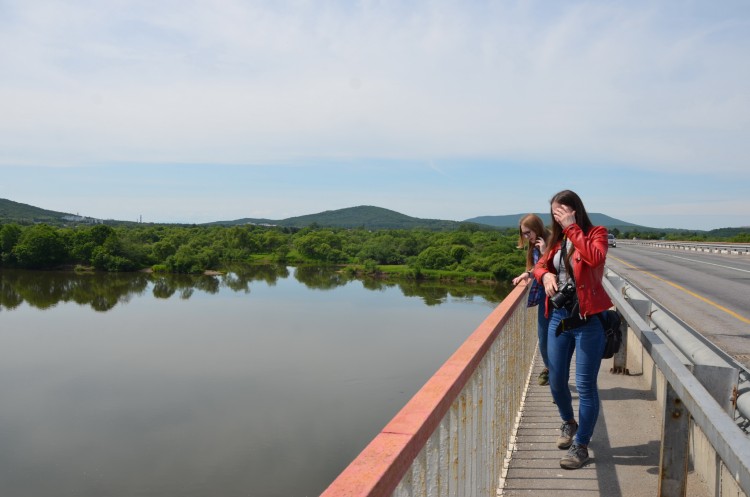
<point x="675" y="413"/>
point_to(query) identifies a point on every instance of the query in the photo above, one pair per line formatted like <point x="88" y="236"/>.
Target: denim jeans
<point x="588" y="342"/>
<point x="542" y="330"/>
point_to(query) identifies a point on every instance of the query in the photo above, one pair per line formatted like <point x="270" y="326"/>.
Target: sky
<point x="197" y="111"/>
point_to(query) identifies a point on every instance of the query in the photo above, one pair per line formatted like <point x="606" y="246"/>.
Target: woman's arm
<point x="526" y="275"/>
<point x="591" y="247"/>
<point x="543" y="268"/>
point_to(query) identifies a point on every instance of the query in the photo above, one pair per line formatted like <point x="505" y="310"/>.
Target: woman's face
<point x="528" y="233"/>
<point x="560" y="210"/>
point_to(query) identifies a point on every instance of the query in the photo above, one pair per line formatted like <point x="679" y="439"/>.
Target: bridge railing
<point x="696" y="427"/>
<point x="452" y="437"/>
<point x="710" y="247"/>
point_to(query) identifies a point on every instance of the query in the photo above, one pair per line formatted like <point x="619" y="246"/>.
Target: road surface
<point x="709" y="292"/>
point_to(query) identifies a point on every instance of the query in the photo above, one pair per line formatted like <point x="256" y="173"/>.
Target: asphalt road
<point x="709" y="292"/>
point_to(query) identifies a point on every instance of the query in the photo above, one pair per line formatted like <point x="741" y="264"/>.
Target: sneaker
<point x="567" y="432"/>
<point x="543" y="377"/>
<point x="577" y="456"/>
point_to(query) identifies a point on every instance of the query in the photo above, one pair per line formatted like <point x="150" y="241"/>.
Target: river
<point x="266" y="381"/>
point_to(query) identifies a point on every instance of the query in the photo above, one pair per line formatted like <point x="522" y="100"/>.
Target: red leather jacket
<point x="588" y="268"/>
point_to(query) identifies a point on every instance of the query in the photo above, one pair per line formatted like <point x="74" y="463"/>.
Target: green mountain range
<point x="363" y="216"/>
<point x="23" y="213"/>
<point x="511" y="221"/>
<point x="371" y="217"/>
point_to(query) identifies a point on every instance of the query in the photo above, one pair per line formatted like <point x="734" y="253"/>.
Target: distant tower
<point x="140" y="218"/>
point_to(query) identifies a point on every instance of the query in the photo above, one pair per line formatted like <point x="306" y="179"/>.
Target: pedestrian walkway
<point x="624" y="449"/>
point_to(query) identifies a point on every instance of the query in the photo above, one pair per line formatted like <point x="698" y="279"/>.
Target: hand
<point x="540" y="244"/>
<point x="564" y="215"/>
<point x="550" y="284"/>
<point x="518" y="279"/>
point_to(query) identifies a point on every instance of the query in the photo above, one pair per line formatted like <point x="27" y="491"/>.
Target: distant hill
<point x="363" y="216"/>
<point x="511" y="221"/>
<point x="23" y="213"/>
<point x="370" y="217"/>
<point x="729" y="232"/>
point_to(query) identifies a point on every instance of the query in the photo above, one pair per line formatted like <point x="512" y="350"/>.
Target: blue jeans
<point x="542" y="330"/>
<point x="588" y="340"/>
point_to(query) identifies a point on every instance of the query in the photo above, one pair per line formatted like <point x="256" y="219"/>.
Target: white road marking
<point x="709" y="263"/>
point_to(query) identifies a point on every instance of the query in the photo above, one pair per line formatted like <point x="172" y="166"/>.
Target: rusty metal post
<point x="721" y="383"/>
<point x="673" y="462"/>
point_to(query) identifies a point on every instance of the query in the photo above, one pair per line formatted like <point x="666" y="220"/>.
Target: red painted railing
<point x="383" y="464"/>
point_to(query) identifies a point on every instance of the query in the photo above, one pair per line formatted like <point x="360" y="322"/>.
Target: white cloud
<point x="239" y="82"/>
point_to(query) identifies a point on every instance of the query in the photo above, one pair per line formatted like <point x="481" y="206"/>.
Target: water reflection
<point x="266" y="381"/>
<point x="45" y="289"/>
<point x="103" y="291"/>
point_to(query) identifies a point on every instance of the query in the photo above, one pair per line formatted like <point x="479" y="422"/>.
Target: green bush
<point x="40" y="246"/>
<point x="435" y="258"/>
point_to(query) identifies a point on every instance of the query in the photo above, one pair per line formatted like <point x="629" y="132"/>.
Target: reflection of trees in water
<point x="240" y="277"/>
<point x="431" y="294"/>
<point x="9" y="296"/>
<point x="435" y="293"/>
<point x="45" y="289"/>
<point x="377" y="284"/>
<point x="321" y="278"/>
<point x="162" y="289"/>
<point x="166" y="285"/>
<point x="103" y="291"/>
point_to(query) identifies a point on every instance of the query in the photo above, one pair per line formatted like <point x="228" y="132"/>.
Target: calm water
<point x="264" y="382"/>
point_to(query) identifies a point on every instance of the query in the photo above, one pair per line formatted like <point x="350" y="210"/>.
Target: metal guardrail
<point x="685" y="398"/>
<point x="714" y="248"/>
<point x="695" y="351"/>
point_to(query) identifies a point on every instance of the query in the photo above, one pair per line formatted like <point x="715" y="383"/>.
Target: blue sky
<point x="190" y="111"/>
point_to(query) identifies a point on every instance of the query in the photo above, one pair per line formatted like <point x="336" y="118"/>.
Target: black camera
<point x="565" y="296"/>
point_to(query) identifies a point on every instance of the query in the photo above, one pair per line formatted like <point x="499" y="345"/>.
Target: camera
<point x="565" y="296"/>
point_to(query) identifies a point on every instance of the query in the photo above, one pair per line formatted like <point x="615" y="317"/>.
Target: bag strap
<point x="564" y="257"/>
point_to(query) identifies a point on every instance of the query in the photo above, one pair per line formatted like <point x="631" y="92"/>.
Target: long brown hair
<point x="535" y="224"/>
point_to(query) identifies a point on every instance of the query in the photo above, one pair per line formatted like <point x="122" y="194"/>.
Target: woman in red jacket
<point x="571" y="271"/>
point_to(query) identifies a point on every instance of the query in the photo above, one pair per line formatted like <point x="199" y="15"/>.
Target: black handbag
<point x="611" y="321"/>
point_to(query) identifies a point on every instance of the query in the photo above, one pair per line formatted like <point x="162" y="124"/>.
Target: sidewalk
<point x="624" y="448"/>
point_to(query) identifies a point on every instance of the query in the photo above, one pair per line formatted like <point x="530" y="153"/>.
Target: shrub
<point x="435" y="258"/>
<point x="40" y="246"/>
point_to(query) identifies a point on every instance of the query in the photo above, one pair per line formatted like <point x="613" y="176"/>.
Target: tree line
<point x="732" y="235"/>
<point x="471" y="251"/>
